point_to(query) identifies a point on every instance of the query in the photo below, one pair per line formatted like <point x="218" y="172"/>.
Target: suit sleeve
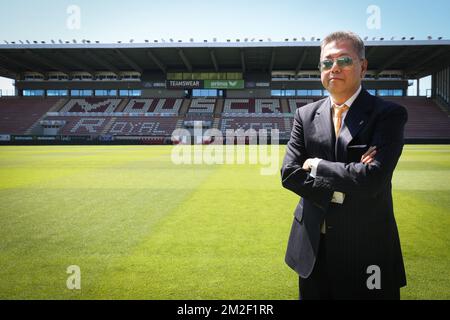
<point x="368" y="179"/>
<point x="293" y="177"/>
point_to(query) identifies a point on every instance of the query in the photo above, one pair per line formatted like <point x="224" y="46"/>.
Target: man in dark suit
<point x="340" y="158"/>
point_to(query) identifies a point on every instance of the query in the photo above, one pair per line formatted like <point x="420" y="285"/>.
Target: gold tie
<point x="337" y="117"/>
<point x="337" y="120"/>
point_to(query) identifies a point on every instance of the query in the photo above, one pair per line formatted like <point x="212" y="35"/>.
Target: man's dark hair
<point x="357" y="42"/>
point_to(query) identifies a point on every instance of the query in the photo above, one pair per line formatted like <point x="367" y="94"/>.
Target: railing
<point x="443" y="104"/>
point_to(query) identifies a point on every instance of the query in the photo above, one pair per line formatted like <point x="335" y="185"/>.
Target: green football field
<point x="141" y="227"/>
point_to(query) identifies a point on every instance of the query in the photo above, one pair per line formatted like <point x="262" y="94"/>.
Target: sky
<point x="112" y="20"/>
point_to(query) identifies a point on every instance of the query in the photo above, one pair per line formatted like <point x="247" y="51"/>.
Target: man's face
<point x="342" y="81"/>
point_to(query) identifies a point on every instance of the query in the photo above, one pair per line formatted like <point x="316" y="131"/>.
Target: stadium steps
<point x="109" y="125"/>
<point x="216" y="123"/>
<point x="58" y="105"/>
<point x="122" y="105"/>
<point x="219" y="107"/>
<point x="35" y="128"/>
<point x="179" y="124"/>
<point x="442" y="106"/>
<point x="284" y="106"/>
<point x="288" y="124"/>
<point x="185" y="106"/>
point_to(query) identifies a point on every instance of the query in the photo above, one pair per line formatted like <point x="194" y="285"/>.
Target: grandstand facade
<point x="141" y="93"/>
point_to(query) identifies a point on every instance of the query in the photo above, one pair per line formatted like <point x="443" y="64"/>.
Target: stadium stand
<point x="297" y="103"/>
<point x="154" y="88"/>
<point x="97" y="116"/>
<point x="248" y="121"/>
<point x="202" y="106"/>
<point x="19" y="114"/>
<point x="153" y="106"/>
<point x="133" y="105"/>
<point x="151" y="126"/>
<point x="158" y="117"/>
<point x="425" y="118"/>
<point x="91" y="105"/>
<point x="251" y="106"/>
<point x="120" y="125"/>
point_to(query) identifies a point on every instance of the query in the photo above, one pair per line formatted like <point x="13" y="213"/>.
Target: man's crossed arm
<point x="366" y="177"/>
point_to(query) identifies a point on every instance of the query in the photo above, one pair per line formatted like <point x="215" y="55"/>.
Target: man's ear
<point x="364" y="66"/>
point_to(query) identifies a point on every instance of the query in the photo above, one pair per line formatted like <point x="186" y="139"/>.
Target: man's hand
<point x="307" y="165"/>
<point x="368" y="157"/>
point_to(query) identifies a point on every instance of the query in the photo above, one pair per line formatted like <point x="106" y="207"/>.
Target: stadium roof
<point x="415" y="58"/>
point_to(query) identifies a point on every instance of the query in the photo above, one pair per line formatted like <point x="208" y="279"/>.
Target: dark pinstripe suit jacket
<point x="362" y="231"/>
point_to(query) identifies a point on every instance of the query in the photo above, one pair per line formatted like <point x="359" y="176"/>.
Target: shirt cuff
<point x="338" y="197"/>
<point x="314" y="163"/>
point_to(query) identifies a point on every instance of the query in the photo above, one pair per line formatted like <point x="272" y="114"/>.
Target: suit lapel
<point x="355" y="120"/>
<point x="324" y="125"/>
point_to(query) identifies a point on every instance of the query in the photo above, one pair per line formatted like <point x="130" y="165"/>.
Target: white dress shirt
<point x="338" y="197"/>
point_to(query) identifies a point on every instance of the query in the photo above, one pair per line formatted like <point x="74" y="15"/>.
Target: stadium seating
<point x="253" y="122"/>
<point x="149" y="126"/>
<point x="251" y="106"/>
<point x="153" y="105"/>
<point x="202" y="106"/>
<point x="198" y="117"/>
<point x="17" y="115"/>
<point x="121" y="125"/>
<point x="297" y="103"/>
<point x="425" y="118"/>
<point x="155" y="117"/>
<point x="79" y="125"/>
<point x="91" y="105"/>
<point x="97" y="116"/>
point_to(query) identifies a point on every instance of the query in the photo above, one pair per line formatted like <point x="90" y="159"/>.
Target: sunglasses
<point x="342" y="62"/>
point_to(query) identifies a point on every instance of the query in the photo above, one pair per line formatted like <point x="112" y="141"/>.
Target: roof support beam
<point x="301" y="60"/>
<point x="272" y="60"/>
<point x="370" y="52"/>
<point x="47" y="61"/>
<point x="101" y="62"/>
<point x="5" y="68"/>
<point x="425" y="60"/>
<point x="389" y="62"/>
<point x="71" y="60"/>
<point x="158" y="62"/>
<point x="431" y="70"/>
<point x="214" y="60"/>
<point x="185" y="60"/>
<point x="129" y="61"/>
<point x="4" y="71"/>
<point x="21" y="64"/>
<point x="243" y="60"/>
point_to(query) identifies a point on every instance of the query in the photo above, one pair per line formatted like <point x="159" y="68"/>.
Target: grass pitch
<point x="141" y="227"/>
